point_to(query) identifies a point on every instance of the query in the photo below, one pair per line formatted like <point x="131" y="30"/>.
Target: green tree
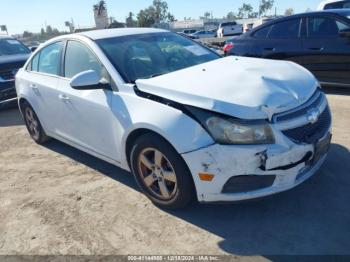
<point x="27" y="34"/>
<point x="130" y="22"/>
<point x="48" y="30"/>
<point x="156" y="13"/>
<point x="245" y="11"/>
<point x="265" y="6"/>
<point x="231" y="16"/>
<point x="289" y="11"/>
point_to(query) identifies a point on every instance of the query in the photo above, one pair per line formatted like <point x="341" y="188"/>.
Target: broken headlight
<point x="232" y="131"/>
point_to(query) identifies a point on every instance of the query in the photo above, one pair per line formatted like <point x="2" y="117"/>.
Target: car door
<point x="87" y="120"/>
<point x="327" y="53"/>
<point x="41" y="80"/>
<point x="282" y="41"/>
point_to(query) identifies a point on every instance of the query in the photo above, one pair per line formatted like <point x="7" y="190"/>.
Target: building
<point x="212" y="24"/>
<point x="101" y="15"/>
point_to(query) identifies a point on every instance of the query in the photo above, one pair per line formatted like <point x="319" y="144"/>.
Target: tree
<point x="154" y="14"/>
<point x="265" y="6"/>
<point x="231" y="16"/>
<point x="245" y="11"/>
<point x="171" y="18"/>
<point x="27" y="34"/>
<point x="253" y="15"/>
<point x="116" y="24"/>
<point x="130" y="22"/>
<point x="49" y="30"/>
<point x="206" y="15"/>
<point x="42" y="32"/>
<point x="146" y="17"/>
<point x="289" y="11"/>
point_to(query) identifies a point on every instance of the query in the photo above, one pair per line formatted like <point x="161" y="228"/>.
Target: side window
<point x="325" y="27"/>
<point x="262" y="33"/>
<point x="79" y="58"/>
<point x="285" y="30"/>
<point x="49" y="59"/>
<point x="34" y="65"/>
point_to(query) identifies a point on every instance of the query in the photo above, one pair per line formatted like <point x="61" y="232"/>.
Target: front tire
<point x="161" y="172"/>
<point x="33" y="124"/>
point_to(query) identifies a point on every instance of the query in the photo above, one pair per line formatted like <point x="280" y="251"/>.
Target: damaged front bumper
<point x="247" y="172"/>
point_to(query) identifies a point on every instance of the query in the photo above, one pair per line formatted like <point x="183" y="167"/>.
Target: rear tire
<point x="33" y="124"/>
<point x="161" y="172"/>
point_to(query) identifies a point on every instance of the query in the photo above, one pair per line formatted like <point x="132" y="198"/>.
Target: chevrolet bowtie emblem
<point x="313" y="115"/>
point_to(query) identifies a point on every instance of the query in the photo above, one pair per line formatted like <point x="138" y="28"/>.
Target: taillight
<point x="228" y="47"/>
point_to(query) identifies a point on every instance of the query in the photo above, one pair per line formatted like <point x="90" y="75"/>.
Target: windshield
<point x="12" y="47"/>
<point x="149" y="55"/>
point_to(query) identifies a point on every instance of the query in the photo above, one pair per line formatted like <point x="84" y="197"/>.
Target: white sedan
<point x="186" y="122"/>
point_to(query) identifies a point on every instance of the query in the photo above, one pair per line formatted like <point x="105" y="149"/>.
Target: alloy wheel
<point x="157" y="173"/>
<point x="32" y="123"/>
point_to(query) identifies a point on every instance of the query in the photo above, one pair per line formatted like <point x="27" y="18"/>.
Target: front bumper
<point x="7" y="91"/>
<point x="288" y="163"/>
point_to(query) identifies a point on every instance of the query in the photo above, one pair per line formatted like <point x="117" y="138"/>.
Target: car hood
<point x="13" y="61"/>
<point x="247" y="88"/>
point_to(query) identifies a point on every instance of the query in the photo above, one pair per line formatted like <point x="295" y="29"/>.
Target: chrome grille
<point x="311" y="133"/>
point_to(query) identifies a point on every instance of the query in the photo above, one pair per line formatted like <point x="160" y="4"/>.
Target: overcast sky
<point x="32" y="15"/>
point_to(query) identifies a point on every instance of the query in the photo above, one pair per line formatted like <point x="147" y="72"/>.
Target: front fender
<point x="180" y="130"/>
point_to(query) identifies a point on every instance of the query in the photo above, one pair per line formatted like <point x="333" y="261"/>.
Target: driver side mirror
<point x="88" y="80"/>
<point x="345" y="32"/>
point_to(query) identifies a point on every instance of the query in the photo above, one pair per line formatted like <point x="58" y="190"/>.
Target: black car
<point x="319" y="41"/>
<point x="13" y="55"/>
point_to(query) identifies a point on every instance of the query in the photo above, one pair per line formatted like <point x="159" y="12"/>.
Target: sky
<point x="32" y="15"/>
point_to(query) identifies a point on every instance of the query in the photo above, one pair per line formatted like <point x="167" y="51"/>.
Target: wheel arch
<point x="135" y="134"/>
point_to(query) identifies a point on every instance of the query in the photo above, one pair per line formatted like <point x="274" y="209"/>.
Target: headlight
<point x="226" y="130"/>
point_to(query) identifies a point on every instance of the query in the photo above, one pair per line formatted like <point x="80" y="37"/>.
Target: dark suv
<point x="13" y="55"/>
<point x="319" y="41"/>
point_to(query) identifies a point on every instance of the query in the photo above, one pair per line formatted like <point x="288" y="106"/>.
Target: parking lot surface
<point x="59" y="200"/>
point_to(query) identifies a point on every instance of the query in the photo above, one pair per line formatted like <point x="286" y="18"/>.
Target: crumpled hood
<point x="247" y="88"/>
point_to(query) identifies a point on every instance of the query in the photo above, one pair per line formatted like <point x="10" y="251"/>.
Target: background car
<point x="13" y="55"/>
<point x="203" y="34"/>
<point x="189" y="31"/>
<point x="334" y="4"/>
<point x="319" y="41"/>
<point x="229" y="28"/>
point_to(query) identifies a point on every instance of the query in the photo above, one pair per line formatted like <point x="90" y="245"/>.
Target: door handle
<point x="316" y="48"/>
<point x="63" y="98"/>
<point x="33" y="86"/>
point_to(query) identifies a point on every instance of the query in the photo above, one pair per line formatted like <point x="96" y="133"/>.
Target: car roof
<point x="117" y="32"/>
<point x="342" y="12"/>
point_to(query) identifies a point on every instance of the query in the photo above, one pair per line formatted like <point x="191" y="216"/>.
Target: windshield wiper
<point x="155" y="75"/>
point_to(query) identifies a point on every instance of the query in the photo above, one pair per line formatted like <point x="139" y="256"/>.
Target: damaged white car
<point x="187" y="122"/>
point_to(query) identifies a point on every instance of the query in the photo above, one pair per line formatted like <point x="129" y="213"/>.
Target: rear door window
<point x="289" y="29"/>
<point x="325" y="27"/>
<point x="50" y="58"/>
